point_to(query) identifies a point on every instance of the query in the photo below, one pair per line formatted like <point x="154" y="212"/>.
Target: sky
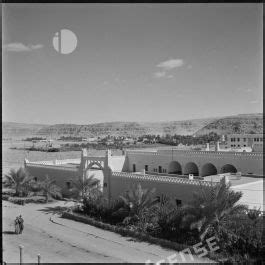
<point x="132" y="62"/>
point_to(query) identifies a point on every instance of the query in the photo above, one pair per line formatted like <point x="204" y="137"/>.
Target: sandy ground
<point x="61" y="240"/>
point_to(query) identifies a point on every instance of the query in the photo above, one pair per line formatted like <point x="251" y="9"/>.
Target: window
<point x="257" y="139"/>
<point x="178" y="203"/>
<point x="244" y="145"/>
<point x="105" y="185"/>
<point x="146" y="167"/>
<point x="244" y="139"/>
<point x="160" y="169"/>
<point x="238" y="139"/>
<point x="238" y="145"/>
<point x="134" y="168"/>
<point x="35" y="179"/>
<point x="68" y="185"/>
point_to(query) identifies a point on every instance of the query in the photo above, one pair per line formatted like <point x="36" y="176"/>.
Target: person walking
<point x="17" y="226"/>
<point x="21" y="224"/>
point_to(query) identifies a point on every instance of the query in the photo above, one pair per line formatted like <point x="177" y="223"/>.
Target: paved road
<point x="61" y="240"/>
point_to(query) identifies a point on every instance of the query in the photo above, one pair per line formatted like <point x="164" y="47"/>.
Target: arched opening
<point x="174" y="168"/>
<point x="95" y="169"/>
<point x="228" y="169"/>
<point x="94" y="165"/>
<point x="191" y="168"/>
<point x="208" y="169"/>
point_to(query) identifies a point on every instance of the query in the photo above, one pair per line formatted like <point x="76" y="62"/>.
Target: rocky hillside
<point x="245" y="123"/>
<point x="13" y="129"/>
<point x="126" y="128"/>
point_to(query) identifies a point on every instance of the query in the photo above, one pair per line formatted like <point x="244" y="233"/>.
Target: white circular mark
<point x="64" y="41"/>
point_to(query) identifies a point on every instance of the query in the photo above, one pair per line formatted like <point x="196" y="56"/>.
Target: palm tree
<point x="136" y="201"/>
<point x="211" y="209"/>
<point x="50" y="189"/>
<point x="19" y="180"/>
<point x="84" y="185"/>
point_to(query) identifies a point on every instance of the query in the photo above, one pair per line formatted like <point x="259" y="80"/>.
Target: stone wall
<point x="60" y="174"/>
<point x="243" y="162"/>
<point x="178" y="188"/>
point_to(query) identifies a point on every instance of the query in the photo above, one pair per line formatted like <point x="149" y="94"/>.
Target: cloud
<point x="248" y="90"/>
<point x="160" y="74"/>
<point x="20" y="47"/>
<point x="163" y="75"/>
<point x="171" y="64"/>
<point x="37" y="46"/>
<point x="254" y="101"/>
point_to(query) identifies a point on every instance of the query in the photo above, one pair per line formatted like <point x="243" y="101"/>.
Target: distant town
<point x="235" y="142"/>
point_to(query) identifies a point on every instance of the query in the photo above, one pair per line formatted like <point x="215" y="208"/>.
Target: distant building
<point x="92" y="139"/>
<point x="128" y="141"/>
<point x="255" y="141"/>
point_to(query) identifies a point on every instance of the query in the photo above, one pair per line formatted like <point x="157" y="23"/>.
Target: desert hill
<point x="243" y="123"/>
<point x="14" y="129"/>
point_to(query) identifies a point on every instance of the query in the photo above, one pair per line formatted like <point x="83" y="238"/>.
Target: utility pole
<point x="21" y="254"/>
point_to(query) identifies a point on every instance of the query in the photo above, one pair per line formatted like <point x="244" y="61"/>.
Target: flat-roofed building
<point x="255" y="141"/>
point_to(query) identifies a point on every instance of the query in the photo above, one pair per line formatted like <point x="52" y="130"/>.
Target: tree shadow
<point x="54" y="210"/>
<point x="9" y="233"/>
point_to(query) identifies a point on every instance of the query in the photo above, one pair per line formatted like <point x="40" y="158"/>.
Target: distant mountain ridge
<point x="13" y="129"/>
<point x="242" y="123"/>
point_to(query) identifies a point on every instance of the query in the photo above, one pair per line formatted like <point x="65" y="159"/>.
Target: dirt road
<point x="61" y="240"/>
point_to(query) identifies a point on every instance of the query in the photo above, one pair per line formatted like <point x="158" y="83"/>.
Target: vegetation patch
<point x="23" y="201"/>
<point x="123" y="231"/>
<point x="212" y="213"/>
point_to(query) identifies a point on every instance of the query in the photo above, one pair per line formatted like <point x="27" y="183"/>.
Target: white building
<point x="255" y="141"/>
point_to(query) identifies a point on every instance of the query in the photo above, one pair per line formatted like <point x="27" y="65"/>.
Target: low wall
<point x="178" y="188"/>
<point x="60" y="174"/>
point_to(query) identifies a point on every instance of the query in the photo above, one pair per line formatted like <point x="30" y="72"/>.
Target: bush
<point x="5" y="197"/>
<point x="9" y="192"/>
<point x="131" y="232"/>
<point x="95" y="205"/>
<point x="23" y="201"/>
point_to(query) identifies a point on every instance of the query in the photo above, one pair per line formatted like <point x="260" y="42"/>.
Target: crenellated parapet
<point x="163" y="179"/>
<point x="169" y="152"/>
<point x="50" y="166"/>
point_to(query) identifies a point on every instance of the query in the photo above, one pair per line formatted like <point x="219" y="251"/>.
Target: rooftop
<point x="234" y="179"/>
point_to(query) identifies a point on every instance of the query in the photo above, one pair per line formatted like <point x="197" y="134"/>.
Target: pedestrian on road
<point x="21" y="224"/>
<point x="17" y="226"/>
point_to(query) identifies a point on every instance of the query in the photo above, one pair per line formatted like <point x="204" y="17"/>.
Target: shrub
<point x="18" y="180"/>
<point x="10" y="192"/>
<point x="22" y="201"/>
<point x="5" y="197"/>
